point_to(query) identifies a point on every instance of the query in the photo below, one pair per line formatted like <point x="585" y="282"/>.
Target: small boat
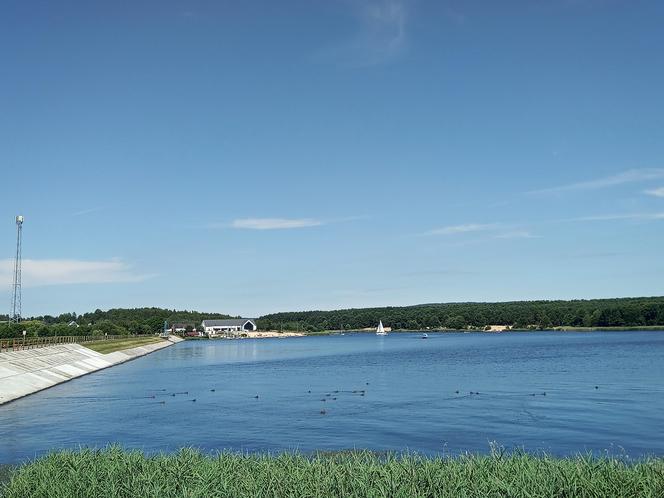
<point x="425" y="336"/>
<point x="380" y="330"/>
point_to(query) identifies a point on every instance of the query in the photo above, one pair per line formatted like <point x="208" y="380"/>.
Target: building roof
<point x="231" y="322"/>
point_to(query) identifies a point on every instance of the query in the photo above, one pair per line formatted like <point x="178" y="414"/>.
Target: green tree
<point x="457" y="322"/>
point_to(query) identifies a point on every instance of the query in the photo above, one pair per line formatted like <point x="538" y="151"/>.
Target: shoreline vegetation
<point x="640" y="313"/>
<point x="114" y="472"/>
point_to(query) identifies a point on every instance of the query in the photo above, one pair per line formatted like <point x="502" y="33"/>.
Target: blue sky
<point x="251" y="157"/>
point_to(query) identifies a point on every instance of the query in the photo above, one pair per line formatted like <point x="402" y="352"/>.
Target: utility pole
<point x="15" y="311"/>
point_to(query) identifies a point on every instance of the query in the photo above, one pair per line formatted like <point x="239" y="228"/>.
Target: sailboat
<point x="380" y="330"/>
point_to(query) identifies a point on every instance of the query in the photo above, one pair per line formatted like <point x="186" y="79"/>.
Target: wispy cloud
<point x="517" y="234"/>
<point x="38" y="272"/>
<point x="520" y="230"/>
<point x="83" y="212"/>
<point x="274" y="223"/>
<point x="629" y="176"/>
<point x="657" y="192"/>
<point x="466" y="228"/>
<point x="381" y="36"/>
<point x="619" y="216"/>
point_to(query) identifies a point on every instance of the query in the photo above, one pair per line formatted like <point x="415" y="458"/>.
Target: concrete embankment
<point x="31" y="370"/>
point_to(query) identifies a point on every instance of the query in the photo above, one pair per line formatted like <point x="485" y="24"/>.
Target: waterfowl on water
<point x="256" y="396"/>
<point x="323" y="412"/>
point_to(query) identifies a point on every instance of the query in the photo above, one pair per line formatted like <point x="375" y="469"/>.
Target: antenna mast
<point x="15" y="312"/>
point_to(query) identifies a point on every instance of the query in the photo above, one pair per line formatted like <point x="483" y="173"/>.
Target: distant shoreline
<point x="275" y="334"/>
<point x="645" y="328"/>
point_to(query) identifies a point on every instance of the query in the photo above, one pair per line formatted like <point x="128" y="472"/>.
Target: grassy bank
<point x="110" y="346"/>
<point x="116" y="473"/>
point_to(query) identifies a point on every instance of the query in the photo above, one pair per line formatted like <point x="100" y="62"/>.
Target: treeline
<point x="620" y="312"/>
<point x="118" y="321"/>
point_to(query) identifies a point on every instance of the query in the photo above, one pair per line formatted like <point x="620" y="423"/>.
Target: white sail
<point x="380" y="330"/>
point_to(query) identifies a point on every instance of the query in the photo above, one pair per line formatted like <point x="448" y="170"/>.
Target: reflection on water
<point x="561" y="393"/>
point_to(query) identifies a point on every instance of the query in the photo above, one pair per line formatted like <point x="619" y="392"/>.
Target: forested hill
<point x="620" y="312"/>
<point x="116" y="321"/>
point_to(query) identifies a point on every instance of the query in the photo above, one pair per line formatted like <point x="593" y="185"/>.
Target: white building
<point x="233" y="325"/>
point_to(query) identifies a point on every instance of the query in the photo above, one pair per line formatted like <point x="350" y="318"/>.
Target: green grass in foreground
<point x="112" y="345"/>
<point x="113" y="473"/>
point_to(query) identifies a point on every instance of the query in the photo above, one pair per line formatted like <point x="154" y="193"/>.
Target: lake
<point x="562" y="393"/>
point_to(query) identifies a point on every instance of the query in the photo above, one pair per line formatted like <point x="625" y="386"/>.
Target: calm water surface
<point x="410" y="396"/>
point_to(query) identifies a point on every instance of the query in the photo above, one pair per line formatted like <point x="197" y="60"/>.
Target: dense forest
<point x="117" y="321"/>
<point x="620" y="312"/>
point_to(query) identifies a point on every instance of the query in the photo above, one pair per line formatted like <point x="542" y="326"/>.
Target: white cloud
<point x="37" y="272"/>
<point x="657" y="192"/>
<point x="629" y="176"/>
<point x="381" y="37"/>
<point x="469" y="227"/>
<point x="274" y="223"/>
